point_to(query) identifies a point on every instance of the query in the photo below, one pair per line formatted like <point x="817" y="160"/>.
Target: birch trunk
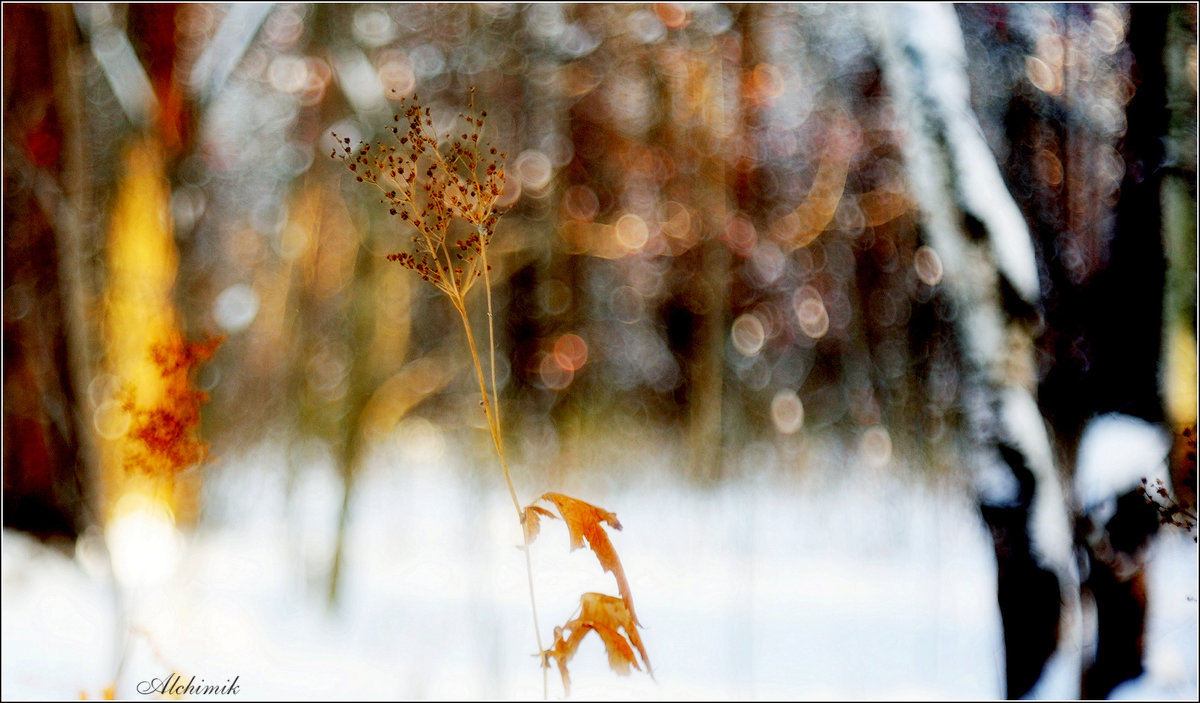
<point x="991" y="280"/>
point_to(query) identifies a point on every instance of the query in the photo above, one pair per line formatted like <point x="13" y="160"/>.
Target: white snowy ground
<point x="847" y="585"/>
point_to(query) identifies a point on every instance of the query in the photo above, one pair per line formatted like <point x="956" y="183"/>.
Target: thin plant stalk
<point x="447" y="197"/>
<point x="487" y="289"/>
<point x="491" y="408"/>
<point x="487" y="405"/>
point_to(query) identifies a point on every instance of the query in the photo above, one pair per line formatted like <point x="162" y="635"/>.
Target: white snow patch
<point x="850" y="583"/>
<point x="1115" y="453"/>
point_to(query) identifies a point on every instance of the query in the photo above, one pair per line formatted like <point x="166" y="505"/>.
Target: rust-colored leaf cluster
<point x="613" y="619"/>
<point x="164" y="437"/>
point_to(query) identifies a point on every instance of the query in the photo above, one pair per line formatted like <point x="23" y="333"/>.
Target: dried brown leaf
<point x="604" y="615"/>
<point x="583" y="520"/>
<point x="620" y="654"/>
<point x="531" y="521"/>
<point x="608" y="616"/>
<point x="611" y="613"/>
<point x="561" y="652"/>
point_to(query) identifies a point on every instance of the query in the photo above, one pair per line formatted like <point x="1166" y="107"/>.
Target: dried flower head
<point x="429" y="183"/>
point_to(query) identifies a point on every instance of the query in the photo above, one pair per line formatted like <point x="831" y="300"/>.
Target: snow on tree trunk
<point x="991" y="280"/>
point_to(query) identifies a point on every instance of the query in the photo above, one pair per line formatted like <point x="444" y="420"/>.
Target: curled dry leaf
<point x="561" y="652"/>
<point x="583" y="520"/>
<point x="606" y="616"/>
<point x="612" y="614"/>
<point x="620" y="654"/>
<point x="531" y="521"/>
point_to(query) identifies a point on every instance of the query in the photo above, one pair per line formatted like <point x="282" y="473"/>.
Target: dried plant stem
<point x="493" y="427"/>
<point x="537" y="630"/>
<point x="491" y="407"/>
<point x="428" y="189"/>
<point x="487" y="288"/>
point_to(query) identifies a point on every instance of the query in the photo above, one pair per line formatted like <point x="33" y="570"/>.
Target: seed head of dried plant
<point x="432" y="185"/>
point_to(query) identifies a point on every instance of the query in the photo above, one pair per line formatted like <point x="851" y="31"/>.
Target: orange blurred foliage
<point x="165" y="440"/>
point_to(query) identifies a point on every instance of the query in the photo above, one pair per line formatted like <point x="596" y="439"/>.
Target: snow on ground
<point x="851" y="584"/>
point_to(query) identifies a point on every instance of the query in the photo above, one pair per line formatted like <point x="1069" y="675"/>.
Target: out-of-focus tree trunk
<point x="991" y="280"/>
<point x="1178" y="197"/>
<point x="1096" y="193"/>
<point x="706" y="372"/>
<point x="360" y="385"/>
<point x="50" y="456"/>
<point x="1129" y="315"/>
<point x="76" y="289"/>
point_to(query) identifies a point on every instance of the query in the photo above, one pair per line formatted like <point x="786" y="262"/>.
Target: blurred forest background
<point x="709" y="237"/>
<point x="710" y="255"/>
